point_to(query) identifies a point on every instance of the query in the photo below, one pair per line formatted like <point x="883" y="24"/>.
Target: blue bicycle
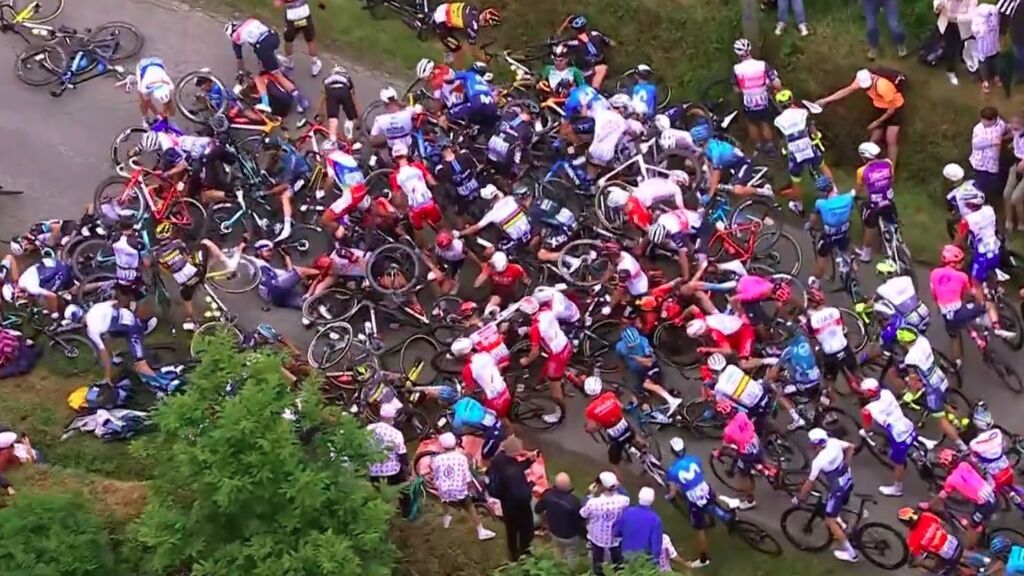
<point x="76" y="59"/>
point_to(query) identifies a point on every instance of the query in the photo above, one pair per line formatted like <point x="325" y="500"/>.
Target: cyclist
<point x="979" y="223"/>
<point x="988" y="450"/>
<point x="290" y="171"/>
<point x="468" y="414"/>
<point x="730" y="334"/>
<point x="297" y="18"/>
<point x="753" y="79"/>
<point x="188" y="268"/>
<point x="558" y="227"/>
<point x="451" y="18"/>
<point x="547" y="332"/>
<point x="931" y="546"/>
<point x="478" y="106"/>
<point x="343" y="263"/>
<point x="411" y="184"/>
<point x="459" y="171"/>
<point x="266" y="336"/>
<point x="506" y="278"/>
<point x="559" y="73"/>
<point x="506" y="213"/>
<point x="732" y="384"/>
<point x="343" y="174"/>
<point x="114" y="318"/>
<point x="949" y="286"/>
<point x="644" y="92"/>
<point x="264" y="42"/>
<point x="740" y="434"/>
<point x="449" y="255"/>
<point x="638" y="354"/>
<point x="486" y="337"/>
<point x="677" y="231"/>
<point x="804" y="375"/>
<point x="726" y="163"/>
<point x="832" y="459"/>
<point x="609" y="128"/>
<point x="580" y="105"/>
<point x="826" y="324"/>
<point x="281" y="287"/>
<point x="604" y="412"/>
<point x="587" y="48"/>
<point x="199" y="158"/>
<point x="394" y="126"/>
<point x="920" y="372"/>
<point x="896" y="301"/>
<point x="672" y="138"/>
<point x="647" y="194"/>
<point x="884" y="410"/>
<point x="155" y="89"/>
<point x="965" y="481"/>
<point x="686" y="476"/>
<point x="803" y="148"/>
<point x="43" y="280"/>
<point x="49" y="234"/>
<point x="339" y="95"/>
<point x="833" y="213"/>
<point x="875" y="180"/>
<point x="130" y="260"/>
<point x="565" y="310"/>
<point x="508" y="149"/>
<point x="632" y="280"/>
<point x="481" y="371"/>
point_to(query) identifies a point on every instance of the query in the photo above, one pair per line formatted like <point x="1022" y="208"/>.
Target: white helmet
<point x="528" y="305"/>
<point x="742" y="47"/>
<point x="73" y="313"/>
<point x="696" y="328"/>
<point x="162" y="94"/>
<point x="424" y="68"/>
<point x="869" y="385"/>
<point x="667" y="140"/>
<point x="884" y="307"/>
<point x="953" y="172"/>
<point x="499" y="261"/>
<point x="677" y="444"/>
<point x="679" y="177"/>
<point x="230" y="27"/>
<point x="656" y="233"/>
<point x="489" y="192"/>
<point x="16" y="247"/>
<point x="592" y="385"/>
<point x="617" y="197"/>
<point x="544" y="294"/>
<point x="662" y="122"/>
<point x="620" y="101"/>
<point x="817" y="436"/>
<point x="869" y="150"/>
<point x="387" y="94"/>
<point x="150" y="141"/>
<point x="461" y="347"/>
<point x="716" y="362"/>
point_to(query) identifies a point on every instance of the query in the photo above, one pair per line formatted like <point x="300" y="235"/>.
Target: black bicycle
<point x="414" y="13"/>
<point x="84" y="58"/>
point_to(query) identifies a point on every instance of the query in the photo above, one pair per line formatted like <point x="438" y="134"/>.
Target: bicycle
<point x="752" y="534"/>
<point x="724" y="464"/>
<point x="414" y="14"/>
<point x="117" y="196"/>
<point x="66" y="353"/>
<point x="90" y="58"/>
<point x="895" y="248"/>
<point x="994" y="359"/>
<point x="802" y="523"/>
<point x="32" y="12"/>
<point x="845" y="267"/>
<point x="921" y="455"/>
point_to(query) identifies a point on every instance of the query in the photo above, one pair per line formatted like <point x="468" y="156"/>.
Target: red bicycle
<point x="747" y="243"/>
<point x="118" y="197"/>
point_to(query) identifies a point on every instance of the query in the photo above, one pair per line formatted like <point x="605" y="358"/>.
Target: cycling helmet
<point x="328" y="146"/>
<point x="461" y="347"/>
<point x="700" y="133"/>
<point x="520" y="190"/>
<point x="869" y="150"/>
<point x="815" y="297"/>
<point x="716" y="362"/>
<point x="696" y="328"/>
<point x="724" y="407"/>
<point x="490" y="17"/>
<point x="886" y="268"/>
<point x="981" y="417"/>
<point x="544" y="294"/>
<point x="150" y="141"/>
<point x="781" y="292"/>
<point x="678" y="445"/>
<point x="162" y="94"/>
<point x="679" y="177"/>
<point x="951" y="254"/>
<point x="620" y="101"/>
<point x="592" y="385"/>
<point x="529" y="305"/>
<point x="164" y="230"/>
<point x="424" y="67"/>
<point x="388" y="94"/>
<point x="489" y="192"/>
<point x="447" y="394"/>
<point x="824" y="184"/>
<point x="662" y="122"/>
<point x="611" y="249"/>
<point x="742" y="47"/>
<point x="631" y="336"/>
<point x="480" y="67"/>
<point x="467" y="309"/>
<point x="560" y="51"/>
<point x="1000" y="546"/>
<point x="578" y="23"/>
<point x="644" y="71"/>
<point x="17" y="248"/>
<point x="817" y="436"/>
<point x="268" y="333"/>
<point x="648" y="304"/>
<point x="947" y="458"/>
<point x="262" y="245"/>
<point x="73" y="313"/>
<point x="323" y="263"/>
<point x="617" y="197"/>
<point x="884" y="308"/>
<point x="907" y="516"/>
<point x="656" y="233"/>
<point x="231" y="26"/>
<point x="953" y="172"/>
<point x="499" y="261"/>
<point x="869" y="386"/>
<point x="448" y="441"/>
<point x="443" y="239"/>
<point x="784" y="97"/>
<point x="906" y="335"/>
<point x="339" y="69"/>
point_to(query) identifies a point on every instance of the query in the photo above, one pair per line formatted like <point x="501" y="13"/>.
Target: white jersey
<point x="455" y="252"/>
<point x="413" y="183"/>
<point x="983" y="226"/>
<point x="956" y="196"/>
<point x="792" y="122"/>
<point x="351" y="265"/>
<point x="735" y="385"/>
<point x="486" y="375"/>
<point x="921" y="357"/>
<point x="674" y="139"/>
<point x="345" y="168"/>
<point x="829" y="459"/>
<point x="609" y="126"/>
<point x="249" y="32"/>
<point x="565" y="310"/>
<point x="725" y="324"/>
<point x="150" y="74"/>
<point x="987" y="448"/>
<point x="101" y="315"/>
<point x="828" y="329"/>
<point x="886" y="412"/>
<point x="680" y="220"/>
<point x="395" y="126"/>
<point x="452" y="94"/>
<point x="637" y="282"/>
<point x="900" y="292"/>
<point x="552" y="336"/>
<point x="509" y="216"/>
<point x="654" y="190"/>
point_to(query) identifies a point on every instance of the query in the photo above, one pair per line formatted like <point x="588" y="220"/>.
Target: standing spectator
<point x="560" y="509"/>
<point x="885" y="96"/>
<point x="986" y="142"/>
<point x="892" y="18"/>
<point x="640" y="527"/>
<point x="669" y="555"/>
<point x="450" y="470"/>
<point x="602" y="510"/>
<point x="954" y="26"/>
<point x="985" y="28"/>
<point x="391" y="469"/>
<point x="1013" y="193"/>
<point x="798" y="12"/>
<point x="1015" y="22"/>
<point x="506" y="481"/>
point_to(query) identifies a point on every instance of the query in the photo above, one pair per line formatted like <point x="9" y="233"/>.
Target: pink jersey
<point x="966" y="481"/>
<point x="948" y="286"/>
<point x="740" y="433"/>
<point x="753" y="288"/>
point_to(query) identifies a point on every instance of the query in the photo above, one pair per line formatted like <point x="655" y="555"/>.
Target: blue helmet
<point x="631" y="336"/>
<point x="578" y="23"/>
<point x="447" y="394"/>
<point x="888" y="335"/>
<point x="1000" y="545"/>
<point x="268" y="333"/>
<point x="824" y="183"/>
<point x="701" y="133"/>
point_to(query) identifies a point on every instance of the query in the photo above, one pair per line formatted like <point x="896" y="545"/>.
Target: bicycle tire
<point x="207" y="108"/>
<point x="798" y="524"/>
<point x="102" y="286"/>
<point x="333" y="305"/>
<point x="724" y="468"/>
<point x="209" y="329"/>
<point x="756" y="537"/>
<point x="337" y="341"/>
<point x="773" y="259"/>
<point x="672" y="345"/>
<point x="770" y="219"/>
<point x="859" y="339"/>
<point x="406" y="365"/>
<point x="52" y="9"/>
<point x="223" y="280"/>
<point x="1010" y="449"/>
<point x="120" y="149"/>
<point x="948" y="368"/>
<point x="444" y="363"/>
<point x="787" y="454"/>
<point x="703" y="419"/>
<point x="569" y="265"/>
<point x="366" y="121"/>
<point x="868" y="540"/>
<point x="1009" y="319"/>
<point x="1003" y="370"/>
<point x="611" y="219"/>
<point x="71" y="355"/>
<point x="410" y="277"/>
<point x="529" y="409"/>
<point x="84" y="262"/>
<point x="123" y="203"/>
<point x="189" y="217"/>
<point x="40" y="65"/>
<point x="840" y="424"/>
<point x="229" y="222"/>
<point x="129" y="40"/>
<point x="600" y="350"/>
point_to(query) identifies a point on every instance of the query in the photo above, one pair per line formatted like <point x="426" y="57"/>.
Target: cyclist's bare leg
<point x="701" y="538"/>
<point x="142" y="367"/>
<point x="956" y="348"/>
<point x="657" y="390"/>
<point x="837" y="533"/>
<point x="12" y="265"/>
<point x="745" y="483"/>
<point x="948" y="429"/>
<point x="212" y="196"/>
<point x="556" y="392"/>
<point x="473" y="517"/>
<point x="820" y="266"/>
<point x="767" y="133"/>
<point x="261" y="86"/>
<point x="892" y="142"/>
<point x="306" y="272"/>
<point x="600" y="71"/>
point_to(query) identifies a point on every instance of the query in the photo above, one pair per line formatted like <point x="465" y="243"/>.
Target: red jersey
<point x="929" y="536"/>
<point x="606" y="410"/>
<point x="503" y="283"/>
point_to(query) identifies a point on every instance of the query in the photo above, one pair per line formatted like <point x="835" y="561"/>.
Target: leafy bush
<point x="543" y="564"/>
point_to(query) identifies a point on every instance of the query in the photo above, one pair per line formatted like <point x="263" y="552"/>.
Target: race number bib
<point x="756" y="100"/>
<point x="298" y="14"/>
<point x="801" y="149"/>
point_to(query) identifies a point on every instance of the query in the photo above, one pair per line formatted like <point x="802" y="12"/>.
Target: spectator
<point x="450" y="470"/>
<point x="602" y="510"/>
<point x="560" y="509"/>
<point x="986" y="142"/>
<point x="954" y="24"/>
<point x="506" y="481"/>
<point x="885" y="95"/>
<point x="640" y="527"/>
<point x="892" y="18"/>
<point x="1013" y="192"/>
<point x="985" y="29"/>
<point x="389" y="439"/>
<point x="798" y="12"/>
<point x="669" y="556"/>
<point x="12" y="453"/>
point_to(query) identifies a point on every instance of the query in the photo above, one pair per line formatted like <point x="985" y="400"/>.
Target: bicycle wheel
<point x="113" y="200"/>
<point x="703" y="419"/>
<point x="329" y="306"/>
<point x="611" y="219"/>
<point x="674" y="346"/>
<point x="93" y="257"/>
<point x="243" y="277"/>
<point x="330" y="345"/>
<point x="419" y="349"/>
<point x="71" y="355"/>
<point x="881" y="544"/>
<point x="582" y="264"/>
<point x="370" y="113"/>
<point x="784" y="255"/>
<point x="1003" y="370"/>
<point x="787" y="454"/>
<point x="767" y="214"/>
<point x="1010" y="320"/>
<point x="208" y="330"/>
<point x="189" y="217"/>
<point x="529" y="410"/>
<point x="854" y="329"/>
<point x="45" y="10"/>
<point x="200" y="96"/>
<point x="305" y="244"/>
<point x="445" y="363"/>
<point x="839" y="424"/>
<point x="393" y="269"/>
<point x="805" y="529"/>
<point x="599" y="345"/>
<point x="40" y="65"/>
<point x="723" y="467"/>
<point x="126" y="152"/>
<point x="756" y="537"/>
<point x="117" y="41"/>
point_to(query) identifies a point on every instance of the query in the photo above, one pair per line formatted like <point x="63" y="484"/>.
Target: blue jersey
<point x="722" y="155"/>
<point x="835" y="213"/>
<point x="799" y="359"/>
<point x="583" y="99"/>
<point x="641" y="348"/>
<point x="474" y="85"/>
<point x="472" y="414"/>
<point x="688" y="475"/>
<point x="292" y="165"/>
<point x="54" y="275"/>
<point x="645" y="98"/>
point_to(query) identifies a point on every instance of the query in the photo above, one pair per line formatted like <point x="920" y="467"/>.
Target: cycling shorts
<point x="837" y="498"/>
<point x="292" y="28"/>
<point x="982" y="513"/>
<point x="266" y="51"/>
<point x="617" y="444"/>
<point x="812" y="164"/>
<point x="745" y="463"/>
<point x="869" y="215"/>
<point x="844" y="360"/>
<point x="958" y="320"/>
<point x="740" y="173"/>
<point x="493" y="437"/>
<point x="829" y="242"/>
<point x="700" y="516"/>
<point x="500" y="404"/>
<point x="935" y="401"/>
<point x="555" y="365"/>
<point x="339" y="98"/>
<point x="427" y="214"/>
<point x="898" y="450"/>
<point x="983" y="265"/>
<point x="765" y="115"/>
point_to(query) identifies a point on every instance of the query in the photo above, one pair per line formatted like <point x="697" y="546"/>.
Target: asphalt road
<point x="57" y="150"/>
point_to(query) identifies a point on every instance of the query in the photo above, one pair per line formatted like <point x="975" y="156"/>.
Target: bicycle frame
<point x="309" y="134"/>
<point x="646" y="171"/>
<point x="72" y="77"/>
<point x="726" y="235"/>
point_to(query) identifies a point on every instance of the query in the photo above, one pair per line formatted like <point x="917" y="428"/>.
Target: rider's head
<point x="907" y="516"/>
<point x="265" y="249"/>
<point x="617" y="197"/>
<point x="529" y="305"/>
<point x="662" y="122"/>
<point x="981" y="416"/>
<point x="164" y="231"/>
<point x="389" y="96"/>
<point x="869" y="151"/>
<point x="490" y="192"/>
<point x="498" y="262"/>
<point x="824" y="185"/>
<point x="544" y="294"/>
<point x="448" y="441"/>
<point x="716" y="362"/>
<point x="817" y="437"/>
<point x="630" y="336"/>
<point x="947" y="458"/>
<point x="952" y="255"/>
<point x="679" y="178"/>
<point x="784" y="98"/>
<point x="781" y="292"/>
<point x="644" y="72"/>
<point x="742" y="47"/>
<point x="461" y="347"/>
<point x="267" y="333"/>
<point x="870" y="387"/>
<point x="701" y="133"/>
<point x="1000" y="546"/>
<point x="444" y="239"/>
<point x="424" y="67"/>
<point x="657" y="233"/>
<point x="560" y="56"/>
<point x="592" y="386"/>
<point x="906" y="335"/>
<point x="696" y="328"/>
<point x="678" y="446"/>
<point x="815" y="297"/>
<point x="578" y="24"/>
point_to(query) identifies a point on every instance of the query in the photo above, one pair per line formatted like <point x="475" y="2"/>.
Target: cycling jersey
<point x="150" y="74"/>
<point x="411" y="180"/>
<point x="985" y="240"/>
<point x="679" y="225"/>
<point x="901" y="293"/>
<point x="835" y="213"/>
<point x="348" y="263"/>
<point x="948" y="285"/>
<point x="128" y="259"/>
<point x="565" y="309"/>
<point x="876" y="176"/>
<point x="753" y="288"/>
<point x="987" y="448"/>
<point x="338" y="80"/>
<point x="503" y="283"/>
<point x="455" y="252"/>
<point x="740" y="432"/>
<point x="292" y="167"/>
<point x="451" y="94"/>
<point x="636" y="284"/>
<point x="722" y="155"/>
<point x="184" y="147"/>
<point x="458" y="16"/>
<point x="753" y="78"/>
<point x="929" y="536"/>
<point x="250" y="31"/>
<point x="645" y="98"/>
<point x="547" y="332"/>
<point x="688" y="475"/>
<point x="921" y="358"/>
<point x="641" y="348"/>
<point x="675" y="139"/>
<point x="482" y="371"/>
<point x="966" y="481"/>
<point x="559" y="223"/>
<point x="106" y="318"/>
<point x="278" y="285"/>
<point x="606" y="411"/>
<point x="460" y="173"/>
<point x="490" y="340"/>
<point x="799" y="360"/>
<point x="735" y="385"/>
<point x="555" y="77"/>
<point x="509" y="216"/>
<point x="609" y="127"/>
<point x="588" y="48"/>
<point x="831" y="462"/>
<point x="395" y="126"/>
<point x="172" y="256"/>
<point x="886" y="412"/>
<point x="48" y="275"/>
<point x="468" y="413"/>
<point x="828" y="329"/>
<point x="793" y="123"/>
<point x="584" y="99"/>
<point x="955" y="197"/>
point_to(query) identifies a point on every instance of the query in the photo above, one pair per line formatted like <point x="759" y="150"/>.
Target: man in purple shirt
<point x="640" y="527"/>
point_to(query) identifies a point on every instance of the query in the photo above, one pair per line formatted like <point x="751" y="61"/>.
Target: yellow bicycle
<point x="35" y="12"/>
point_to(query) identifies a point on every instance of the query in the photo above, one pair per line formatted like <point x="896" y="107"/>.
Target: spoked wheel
<point x="1004" y="371"/>
<point x="330" y="345"/>
<point x="305" y="243"/>
<point x="672" y="344"/>
<point x="393" y="269"/>
<point x="370" y="113"/>
<point x="445" y="363"/>
<point x="1010" y="320"/>
<point x="756" y="537"/>
<point x="599" y="345"/>
<point x="40" y="65"/>
<point x="724" y="467"/>
<point x="71" y="355"/>
<point x="227" y="223"/>
<point x="612" y="219"/>
<point x="127" y="154"/>
<point x="329" y="306"/>
<point x="113" y="200"/>
<point x="117" y="41"/>
<point x="244" y="276"/>
<point x="44" y="11"/>
<point x="882" y="545"/>
<point x="768" y="214"/>
<point x="418" y="351"/>
<point x="788" y="455"/>
<point x="530" y="409"/>
<point x="840" y="425"/>
<point x="581" y="263"/>
<point x="784" y="255"/>
<point x="200" y="96"/>
<point x="805" y="529"/>
<point x="854" y="329"/>
<point x="93" y="257"/>
<point x="189" y="217"/>
<point x="703" y="418"/>
<point x="211" y="329"/>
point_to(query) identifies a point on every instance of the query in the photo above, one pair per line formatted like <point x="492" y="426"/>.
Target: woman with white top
<point x="954" y="26"/>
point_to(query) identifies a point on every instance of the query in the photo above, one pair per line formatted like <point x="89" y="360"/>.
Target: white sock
<point x="794" y="415"/>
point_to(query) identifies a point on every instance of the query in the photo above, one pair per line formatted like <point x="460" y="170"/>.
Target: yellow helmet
<point x="784" y="97"/>
<point x="164" y="230"/>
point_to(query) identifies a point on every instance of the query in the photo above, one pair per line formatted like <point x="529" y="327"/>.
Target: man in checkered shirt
<point x="452" y="477"/>
<point x="389" y="439"/>
<point x="602" y="510"/>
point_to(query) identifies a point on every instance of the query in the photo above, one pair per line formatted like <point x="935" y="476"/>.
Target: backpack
<point x="898" y="79"/>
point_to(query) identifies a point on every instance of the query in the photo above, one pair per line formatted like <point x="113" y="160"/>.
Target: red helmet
<point x="947" y="458"/>
<point x="951" y="254"/>
<point x="467" y="309"/>
<point x="781" y="292"/>
<point x="724" y="407"/>
<point x="648" y="303"/>
<point x="444" y="239"/>
<point x="323" y="263"/>
<point x="815" y="296"/>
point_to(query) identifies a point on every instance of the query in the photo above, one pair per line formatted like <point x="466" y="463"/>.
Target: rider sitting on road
<point x="482" y="371"/>
<point x="642" y="364"/>
<point x="833" y="213"/>
<point x="884" y="410"/>
<point x="965" y="481"/>
<point x="556" y="227"/>
<point x="587" y="48"/>
<point x="290" y="172"/>
<point x="264" y="42"/>
<point x="560" y="70"/>
<point x="280" y="287"/>
<point x="547" y="333"/>
<point x="726" y="163"/>
<point x="506" y="278"/>
<point x="676" y="230"/>
<point x="734" y="385"/>
<point x="934" y="549"/>
<point x="832" y="459"/>
<point x="649" y="193"/>
<point x="199" y="158"/>
<point x="672" y="138"/>
<point x="43" y="281"/>
<point x="632" y="280"/>
<point x="874" y="180"/>
<point x="446" y="262"/>
<point x="450" y="18"/>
